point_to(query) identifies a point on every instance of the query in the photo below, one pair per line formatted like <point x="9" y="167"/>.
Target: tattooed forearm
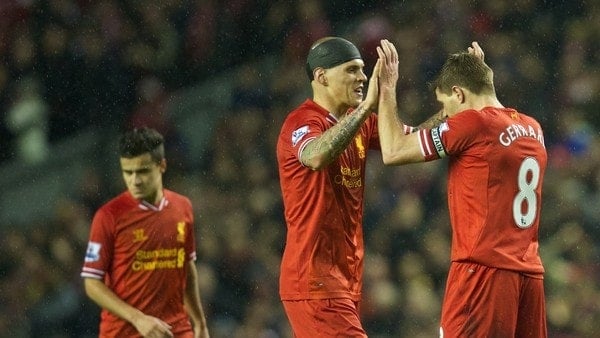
<point x="432" y="122"/>
<point x="332" y="142"/>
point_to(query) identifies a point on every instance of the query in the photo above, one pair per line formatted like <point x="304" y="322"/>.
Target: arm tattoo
<point x="335" y="140"/>
<point x="432" y="122"/>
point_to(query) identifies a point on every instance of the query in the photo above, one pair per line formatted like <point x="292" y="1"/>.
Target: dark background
<point x="217" y="78"/>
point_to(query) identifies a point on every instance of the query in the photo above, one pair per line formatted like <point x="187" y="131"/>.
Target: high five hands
<point x="388" y="56"/>
<point x="388" y="60"/>
<point x="385" y="73"/>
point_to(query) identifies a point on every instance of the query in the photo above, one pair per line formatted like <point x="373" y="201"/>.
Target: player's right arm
<point x="396" y="147"/>
<point x="323" y="150"/>
<point x="102" y="295"/>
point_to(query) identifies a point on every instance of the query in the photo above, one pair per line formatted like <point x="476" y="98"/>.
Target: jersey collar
<point x="149" y="206"/>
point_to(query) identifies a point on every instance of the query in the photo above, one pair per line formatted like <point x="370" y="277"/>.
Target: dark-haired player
<point x="497" y="161"/>
<point x="139" y="265"/>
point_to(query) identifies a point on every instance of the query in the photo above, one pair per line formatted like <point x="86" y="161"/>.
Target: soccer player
<point x="497" y="161"/>
<point x="139" y="265"/>
<point x="321" y="152"/>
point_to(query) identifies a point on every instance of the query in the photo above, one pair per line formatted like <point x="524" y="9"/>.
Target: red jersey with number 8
<point x="496" y="169"/>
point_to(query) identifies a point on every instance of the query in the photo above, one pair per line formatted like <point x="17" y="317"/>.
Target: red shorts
<point x="487" y="302"/>
<point x="313" y="318"/>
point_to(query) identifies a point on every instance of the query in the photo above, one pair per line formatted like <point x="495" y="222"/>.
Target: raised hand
<point x="388" y="73"/>
<point x="476" y="50"/>
<point x="373" y="91"/>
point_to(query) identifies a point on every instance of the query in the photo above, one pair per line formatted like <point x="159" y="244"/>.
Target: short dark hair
<point x="465" y="70"/>
<point x="139" y="141"/>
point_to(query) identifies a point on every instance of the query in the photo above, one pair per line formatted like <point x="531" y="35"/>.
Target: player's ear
<point x="162" y="166"/>
<point x="459" y="93"/>
<point x="319" y="74"/>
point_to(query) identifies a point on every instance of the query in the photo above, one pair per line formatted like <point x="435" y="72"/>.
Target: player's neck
<point x="155" y="198"/>
<point x="481" y="101"/>
<point x="334" y="109"/>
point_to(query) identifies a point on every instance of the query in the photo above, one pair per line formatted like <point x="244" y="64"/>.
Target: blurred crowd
<point x="69" y="65"/>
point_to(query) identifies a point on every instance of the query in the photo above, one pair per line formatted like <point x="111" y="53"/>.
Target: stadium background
<point x="217" y="78"/>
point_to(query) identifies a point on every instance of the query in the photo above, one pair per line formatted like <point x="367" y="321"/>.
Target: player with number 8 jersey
<point x="496" y="164"/>
<point x="487" y="181"/>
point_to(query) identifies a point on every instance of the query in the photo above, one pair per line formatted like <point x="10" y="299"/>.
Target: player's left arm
<point x="193" y="303"/>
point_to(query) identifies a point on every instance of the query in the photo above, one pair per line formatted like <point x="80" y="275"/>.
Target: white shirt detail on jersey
<point x="92" y="254"/>
<point x="298" y="134"/>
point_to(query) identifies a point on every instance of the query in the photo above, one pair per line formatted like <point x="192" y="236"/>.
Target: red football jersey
<point x="496" y="170"/>
<point x="323" y="256"/>
<point x="140" y="251"/>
